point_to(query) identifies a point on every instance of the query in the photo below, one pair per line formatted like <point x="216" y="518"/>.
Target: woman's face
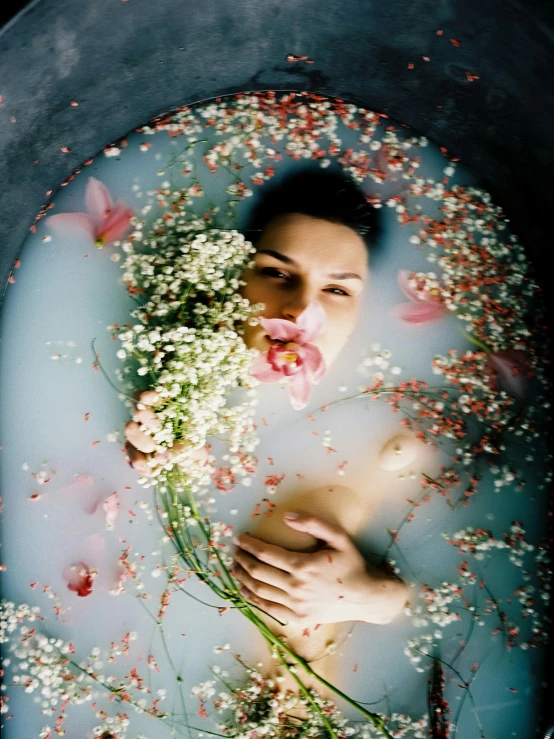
<point x="309" y="260"/>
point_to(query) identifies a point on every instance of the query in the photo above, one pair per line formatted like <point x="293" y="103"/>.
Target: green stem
<point x="473" y="340"/>
<point x="102" y="370"/>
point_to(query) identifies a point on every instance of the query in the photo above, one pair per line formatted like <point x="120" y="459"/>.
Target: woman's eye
<point x="272" y="272"/>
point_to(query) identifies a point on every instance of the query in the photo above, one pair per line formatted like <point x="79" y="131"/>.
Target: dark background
<point x="127" y="62"/>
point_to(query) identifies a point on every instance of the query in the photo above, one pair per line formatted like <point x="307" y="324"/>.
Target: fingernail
<point x="291" y="515"/>
<point x="236" y="541"/>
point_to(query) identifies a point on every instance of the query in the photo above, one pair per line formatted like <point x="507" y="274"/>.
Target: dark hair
<point x="321" y="193"/>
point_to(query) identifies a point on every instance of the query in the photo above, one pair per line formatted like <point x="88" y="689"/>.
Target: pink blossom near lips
<point x="423" y="308"/>
<point x="295" y="356"/>
<point x="105" y="220"/>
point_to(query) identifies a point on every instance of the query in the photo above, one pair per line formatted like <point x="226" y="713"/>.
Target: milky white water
<point x="66" y="293"/>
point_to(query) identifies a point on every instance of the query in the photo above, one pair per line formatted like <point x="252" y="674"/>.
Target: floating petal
<point x="64" y="222"/>
<point x="420" y="312"/>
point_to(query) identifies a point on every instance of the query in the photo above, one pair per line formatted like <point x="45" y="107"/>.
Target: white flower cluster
<point x="259" y="708"/>
<point x="435" y="608"/>
<point x="256" y="123"/>
<point x="44" y="666"/>
<point x="425" y="643"/>
<point x="379" y="363"/>
<point x="400" y="726"/>
<point x="39" y="663"/>
<point x="478" y="542"/>
<point x="11" y="616"/>
<point x="188" y="343"/>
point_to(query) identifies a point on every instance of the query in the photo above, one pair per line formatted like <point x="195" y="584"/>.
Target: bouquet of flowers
<point x="187" y="343"/>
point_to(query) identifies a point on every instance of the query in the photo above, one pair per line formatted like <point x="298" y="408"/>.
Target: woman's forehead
<point x="311" y="237"/>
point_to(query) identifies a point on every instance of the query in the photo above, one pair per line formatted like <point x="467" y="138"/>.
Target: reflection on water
<point x="63" y="422"/>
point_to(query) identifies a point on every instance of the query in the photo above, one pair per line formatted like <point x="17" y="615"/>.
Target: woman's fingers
<point x="281" y="613"/>
<point x="273" y="555"/>
<point x="148" y="418"/>
<point x="186" y="449"/>
<point x="147" y="397"/>
<point x="263" y="572"/>
<point x="139" y="460"/>
<point x="262" y="589"/>
<point x="138" y="438"/>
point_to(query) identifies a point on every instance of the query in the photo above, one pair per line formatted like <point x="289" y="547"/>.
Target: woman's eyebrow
<point x="288" y="260"/>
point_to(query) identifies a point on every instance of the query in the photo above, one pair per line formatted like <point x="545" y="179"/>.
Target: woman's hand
<point x="330" y="585"/>
<point x="142" y="449"/>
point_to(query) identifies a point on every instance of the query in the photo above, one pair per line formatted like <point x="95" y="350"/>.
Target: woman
<point x="313" y="234"/>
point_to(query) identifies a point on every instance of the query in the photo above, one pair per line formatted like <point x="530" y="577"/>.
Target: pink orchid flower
<point x="105" y="221"/>
<point x="509" y="371"/>
<point x="423" y="307"/>
<point x="296" y="356"/>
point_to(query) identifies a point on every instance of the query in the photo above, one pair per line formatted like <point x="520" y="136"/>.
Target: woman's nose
<point x="296" y="304"/>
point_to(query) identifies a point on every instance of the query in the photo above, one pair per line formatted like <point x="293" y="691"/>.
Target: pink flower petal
<point x="300" y="390"/>
<point x="263" y="371"/>
<point x="97" y="201"/>
<point x="312" y="322"/>
<point x="314" y="360"/>
<point x="404" y="283"/>
<point x="420" y="312"/>
<point x="81" y="490"/>
<point x="309" y="324"/>
<point x="91" y="503"/>
<point x="279" y="328"/>
<point x="117" y="223"/>
<point x="64" y="222"/>
<point x="79" y="579"/>
<point x="111" y="509"/>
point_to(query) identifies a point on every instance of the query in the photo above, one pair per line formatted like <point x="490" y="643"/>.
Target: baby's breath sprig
<point x="45" y="666"/>
<point x="260" y="707"/>
<point x="187" y="343"/>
